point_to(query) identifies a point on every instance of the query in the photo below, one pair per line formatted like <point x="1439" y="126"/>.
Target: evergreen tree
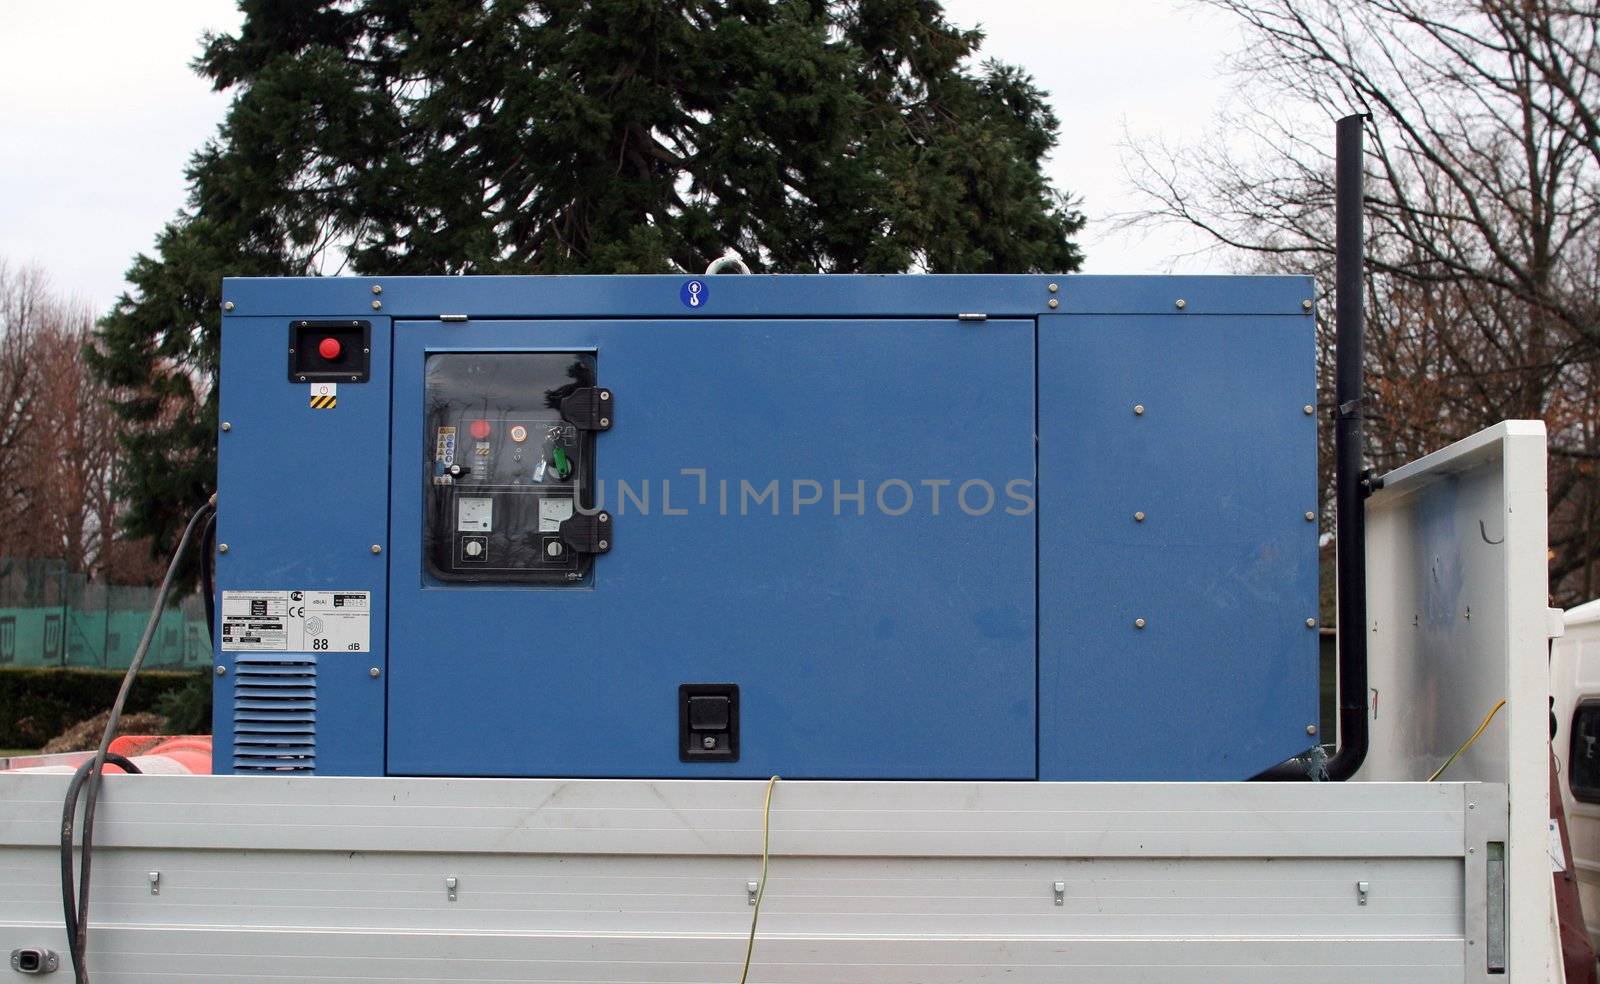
<point x="571" y="136"/>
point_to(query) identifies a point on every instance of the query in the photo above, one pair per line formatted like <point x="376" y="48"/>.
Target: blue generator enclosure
<point x="829" y="527"/>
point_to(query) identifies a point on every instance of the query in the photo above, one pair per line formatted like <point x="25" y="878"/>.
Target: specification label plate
<point x="297" y="621"/>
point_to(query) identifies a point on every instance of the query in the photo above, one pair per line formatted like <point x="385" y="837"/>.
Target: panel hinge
<point x="453" y="318"/>
<point x="590" y="408"/>
<point x="972" y="316"/>
<point x="587" y="533"/>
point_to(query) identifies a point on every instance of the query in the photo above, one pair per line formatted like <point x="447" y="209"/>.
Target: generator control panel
<point x="509" y="467"/>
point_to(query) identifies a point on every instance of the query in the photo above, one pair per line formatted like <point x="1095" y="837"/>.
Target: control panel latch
<point x="589" y="408"/>
<point x="589" y="534"/>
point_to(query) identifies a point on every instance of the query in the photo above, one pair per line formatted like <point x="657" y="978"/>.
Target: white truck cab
<point x="1575" y="693"/>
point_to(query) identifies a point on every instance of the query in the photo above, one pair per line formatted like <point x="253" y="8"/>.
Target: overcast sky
<point x="101" y="112"/>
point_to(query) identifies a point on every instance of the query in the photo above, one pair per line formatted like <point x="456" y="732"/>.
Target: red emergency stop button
<point x="330" y="349"/>
<point x="480" y="430"/>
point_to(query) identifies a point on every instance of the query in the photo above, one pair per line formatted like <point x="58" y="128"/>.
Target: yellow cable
<point x="761" y="888"/>
<point x="1468" y="743"/>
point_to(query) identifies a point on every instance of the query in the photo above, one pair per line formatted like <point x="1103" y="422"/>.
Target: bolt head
<point x="377" y="305"/>
<point x="1139" y="623"/>
<point x="374" y="672"/>
<point x="227" y="305"/>
<point x="377" y="549"/>
<point x="1311" y="729"/>
<point x="1138" y="517"/>
<point x="1054" y="288"/>
<point x="226" y="426"/>
<point x="1311" y="517"/>
<point x="1311" y="623"/>
<point x="377" y="288"/>
<point x="222" y="671"/>
<point x="1054" y="303"/>
<point x="1309" y="409"/>
<point x="222" y="548"/>
<point x="1138" y="409"/>
<point x="1306" y="304"/>
<point x="708" y="741"/>
<point x="1180" y="304"/>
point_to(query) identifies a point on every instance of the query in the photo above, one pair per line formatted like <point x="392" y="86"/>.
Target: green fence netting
<point x="50" y="616"/>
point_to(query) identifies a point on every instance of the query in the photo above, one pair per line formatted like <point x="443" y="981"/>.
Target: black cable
<point x="208" y="577"/>
<point x="69" y="810"/>
<point x="78" y="933"/>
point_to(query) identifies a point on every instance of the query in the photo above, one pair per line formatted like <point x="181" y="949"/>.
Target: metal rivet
<point x="709" y="741"/>
<point x="1054" y="288"/>
<point x="1311" y="729"/>
<point x="604" y="545"/>
<point x="355" y="379"/>
<point x="302" y="379"/>
<point x="1138" y="623"/>
<point x="1311" y="623"/>
<point x="374" y="672"/>
<point x="605" y="394"/>
<point x="377" y="288"/>
<point x="226" y="427"/>
<point x="1472" y="806"/>
<point x="604" y="518"/>
<point x="377" y="305"/>
<point x="377" y="549"/>
<point x="1309" y="409"/>
<point x="1306" y="304"/>
<point x="1138" y="409"/>
<point x="227" y="306"/>
<point x="1181" y="304"/>
<point x="605" y="421"/>
<point x="1138" y="517"/>
<point x="1311" y="517"/>
<point x="366" y="351"/>
<point x="222" y="548"/>
<point x="222" y="671"/>
<point x="1054" y="303"/>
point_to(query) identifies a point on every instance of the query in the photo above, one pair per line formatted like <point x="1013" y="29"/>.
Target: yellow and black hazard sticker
<point x="324" y="396"/>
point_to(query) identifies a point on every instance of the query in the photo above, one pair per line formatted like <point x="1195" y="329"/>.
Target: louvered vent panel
<point x="275" y="714"/>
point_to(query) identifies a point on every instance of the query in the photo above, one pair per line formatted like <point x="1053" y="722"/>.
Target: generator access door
<point x="719" y="548"/>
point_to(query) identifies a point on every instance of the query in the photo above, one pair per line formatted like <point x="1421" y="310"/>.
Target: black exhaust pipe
<point x="1351" y="486"/>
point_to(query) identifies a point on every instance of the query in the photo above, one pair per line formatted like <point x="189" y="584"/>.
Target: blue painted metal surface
<point x="301" y="501"/>
<point x="822" y="296"/>
<point x="1220" y="681"/>
<point x="908" y="646"/>
<point x="863" y="645"/>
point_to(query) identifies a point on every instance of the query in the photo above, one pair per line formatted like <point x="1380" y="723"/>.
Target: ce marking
<point x="297" y="611"/>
